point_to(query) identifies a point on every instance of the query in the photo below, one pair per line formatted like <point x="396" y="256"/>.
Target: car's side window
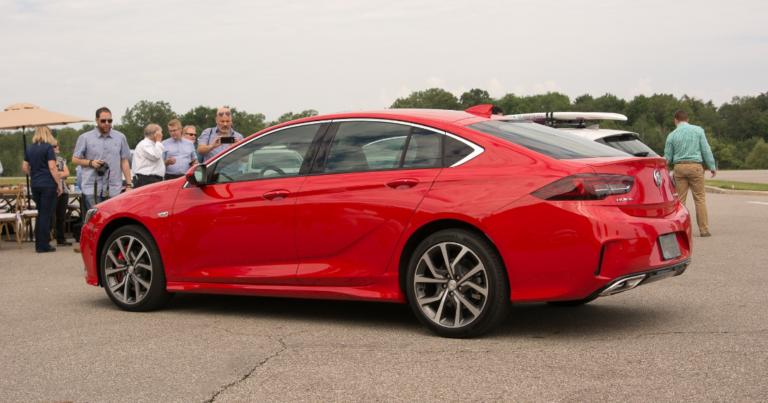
<point x="456" y="150"/>
<point x="366" y="146"/>
<point x="423" y="149"/>
<point x="274" y="155"/>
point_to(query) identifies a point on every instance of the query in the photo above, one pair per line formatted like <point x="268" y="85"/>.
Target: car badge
<point x="657" y="177"/>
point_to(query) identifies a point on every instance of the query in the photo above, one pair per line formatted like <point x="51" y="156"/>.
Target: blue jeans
<point x="45" y="198"/>
<point x="91" y="201"/>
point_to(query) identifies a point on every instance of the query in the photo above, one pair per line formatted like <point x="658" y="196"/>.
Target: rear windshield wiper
<point x="641" y="154"/>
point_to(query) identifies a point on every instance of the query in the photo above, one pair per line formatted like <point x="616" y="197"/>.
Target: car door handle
<point x="405" y="183"/>
<point x="276" y="194"/>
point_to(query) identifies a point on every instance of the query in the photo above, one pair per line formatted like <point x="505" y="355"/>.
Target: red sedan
<point x="459" y="214"/>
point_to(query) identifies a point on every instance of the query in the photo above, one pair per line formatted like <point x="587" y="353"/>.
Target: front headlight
<point x="89" y="214"/>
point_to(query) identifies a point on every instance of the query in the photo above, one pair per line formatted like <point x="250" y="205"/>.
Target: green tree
<point x="202" y="117"/>
<point x="287" y="117"/>
<point x="549" y="102"/>
<point x="433" y="98"/>
<point x="512" y="104"/>
<point x="758" y="158"/>
<point x="140" y="115"/>
<point x="475" y="97"/>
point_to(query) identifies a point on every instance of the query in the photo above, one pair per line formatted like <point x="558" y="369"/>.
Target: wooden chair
<point x="13" y="218"/>
<point x="27" y="215"/>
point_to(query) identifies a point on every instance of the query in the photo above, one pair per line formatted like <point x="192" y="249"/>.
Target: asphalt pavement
<point x="702" y="336"/>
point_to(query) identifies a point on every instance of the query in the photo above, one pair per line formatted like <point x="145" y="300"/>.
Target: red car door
<point x="352" y="212"/>
<point x="239" y="229"/>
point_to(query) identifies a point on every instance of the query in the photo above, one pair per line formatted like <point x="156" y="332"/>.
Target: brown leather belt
<point x="687" y="162"/>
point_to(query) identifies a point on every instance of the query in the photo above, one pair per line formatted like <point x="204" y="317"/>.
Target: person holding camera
<point x="217" y="139"/>
<point x="148" y="161"/>
<point x="179" y="153"/>
<point x="102" y="154"/>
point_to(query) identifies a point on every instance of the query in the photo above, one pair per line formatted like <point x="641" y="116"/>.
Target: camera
<point x="102" y="169"/>
<point x="228" y="140"/>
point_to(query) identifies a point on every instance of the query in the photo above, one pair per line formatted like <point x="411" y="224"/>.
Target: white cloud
<point x="434" y="82"/>
<point x="495" y="88"/>
<point x="548" y="86"/>
<point x="519" y="90"/>
<point x="643" y="88"/>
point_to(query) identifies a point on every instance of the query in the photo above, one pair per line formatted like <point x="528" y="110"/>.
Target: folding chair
<point x="12" y="217"/>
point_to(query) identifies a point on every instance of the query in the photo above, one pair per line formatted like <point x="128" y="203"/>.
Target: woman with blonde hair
<point x="40" y="165"/>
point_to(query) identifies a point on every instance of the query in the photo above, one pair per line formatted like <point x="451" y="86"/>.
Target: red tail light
<point x="586" y="187"/>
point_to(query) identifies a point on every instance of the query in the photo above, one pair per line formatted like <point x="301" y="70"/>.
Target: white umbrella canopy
<point x="23" y="115"/>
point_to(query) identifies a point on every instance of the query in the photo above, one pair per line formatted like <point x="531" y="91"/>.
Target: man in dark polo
<point x="179" y="153"/>
<point x="686" y="149"/>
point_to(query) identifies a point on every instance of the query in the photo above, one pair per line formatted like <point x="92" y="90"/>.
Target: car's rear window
<point x="546" y="140"/>
<point x="630" y="145"/>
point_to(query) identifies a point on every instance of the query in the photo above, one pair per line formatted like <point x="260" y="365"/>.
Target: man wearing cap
<point x="686" y="149"/>
<point x="210" y="144"/>
<point x="178" y="152"/>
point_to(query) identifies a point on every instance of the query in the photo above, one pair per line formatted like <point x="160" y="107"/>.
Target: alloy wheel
<point x="128" y="269"/>
<point x="451" y="285"/>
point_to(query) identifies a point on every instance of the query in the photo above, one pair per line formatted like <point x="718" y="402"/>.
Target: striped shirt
<point x="688" y="143"/>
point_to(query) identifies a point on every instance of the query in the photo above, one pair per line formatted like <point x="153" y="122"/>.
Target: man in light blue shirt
<point x="686" y="149"/>
<point x="99" y="147"/>
<point x="210" y="144"/>
<point x="179" y="153"/>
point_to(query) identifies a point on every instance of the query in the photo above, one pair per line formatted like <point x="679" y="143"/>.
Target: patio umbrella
<point x="21" y="116"/>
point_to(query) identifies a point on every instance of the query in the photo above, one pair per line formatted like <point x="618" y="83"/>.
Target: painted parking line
<point x="759" y="203"/>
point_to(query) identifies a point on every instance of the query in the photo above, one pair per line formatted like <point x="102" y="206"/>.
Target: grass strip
<point x="762" y="187"/>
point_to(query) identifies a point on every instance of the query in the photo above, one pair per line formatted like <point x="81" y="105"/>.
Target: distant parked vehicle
<point x="575" y="123"/>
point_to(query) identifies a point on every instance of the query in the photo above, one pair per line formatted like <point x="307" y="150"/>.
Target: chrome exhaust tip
<point x="622" y="285"/>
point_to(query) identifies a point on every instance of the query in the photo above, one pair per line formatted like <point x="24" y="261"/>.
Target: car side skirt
<point x="386" y="290"/>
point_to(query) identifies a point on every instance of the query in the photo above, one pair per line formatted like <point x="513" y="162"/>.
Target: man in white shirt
<point x="148" y="157"/>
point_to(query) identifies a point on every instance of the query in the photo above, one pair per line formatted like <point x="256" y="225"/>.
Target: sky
<point x="275" y="57"/>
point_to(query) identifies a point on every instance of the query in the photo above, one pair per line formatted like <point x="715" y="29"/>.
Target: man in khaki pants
<point x="686" y="147"/>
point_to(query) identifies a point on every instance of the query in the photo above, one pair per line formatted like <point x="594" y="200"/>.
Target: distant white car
<point x="574" y="122"/>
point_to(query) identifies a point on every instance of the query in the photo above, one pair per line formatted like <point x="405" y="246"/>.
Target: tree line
<point x="737" y="131"/>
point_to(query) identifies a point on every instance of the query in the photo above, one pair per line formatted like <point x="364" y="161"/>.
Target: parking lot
<point x="702" y="336"/>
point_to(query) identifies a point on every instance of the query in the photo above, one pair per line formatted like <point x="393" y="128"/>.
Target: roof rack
<point x="566" y="119"/>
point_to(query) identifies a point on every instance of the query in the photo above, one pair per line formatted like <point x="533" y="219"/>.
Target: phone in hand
<point x="228" y="140"/>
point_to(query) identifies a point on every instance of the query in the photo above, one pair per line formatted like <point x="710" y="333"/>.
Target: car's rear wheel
<point x="132" y="270"/>
<point x="457" y="284"/>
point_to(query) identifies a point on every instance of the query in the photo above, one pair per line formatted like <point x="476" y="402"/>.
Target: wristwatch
<point x="129" y="184"/>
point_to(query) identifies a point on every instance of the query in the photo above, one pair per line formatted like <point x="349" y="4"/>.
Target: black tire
<point x="439" y="292"/>
<point x="138" y="283"/>
<point x="569" y="304"/>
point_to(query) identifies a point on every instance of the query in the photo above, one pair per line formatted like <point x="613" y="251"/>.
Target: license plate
<point x="669" y="246"/>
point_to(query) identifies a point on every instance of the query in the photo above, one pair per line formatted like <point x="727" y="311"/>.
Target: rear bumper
<point x="564" y="251"/>
<point x="634" y="280"/>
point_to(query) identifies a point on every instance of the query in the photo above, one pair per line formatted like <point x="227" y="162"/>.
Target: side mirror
<point x="196" y="176"/>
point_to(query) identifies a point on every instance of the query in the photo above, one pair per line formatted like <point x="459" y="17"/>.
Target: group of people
<point x="102" y="159"/>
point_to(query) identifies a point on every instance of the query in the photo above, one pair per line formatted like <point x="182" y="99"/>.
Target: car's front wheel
<point x="457" y="284"/>
<point x="132" y="270"/>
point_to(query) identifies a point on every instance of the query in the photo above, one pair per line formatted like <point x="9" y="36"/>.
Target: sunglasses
<point x="105" y="120"/>
<point x="228" y="113"/>
<point x="190" y="134"/>
<point x="56" y="146"/>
